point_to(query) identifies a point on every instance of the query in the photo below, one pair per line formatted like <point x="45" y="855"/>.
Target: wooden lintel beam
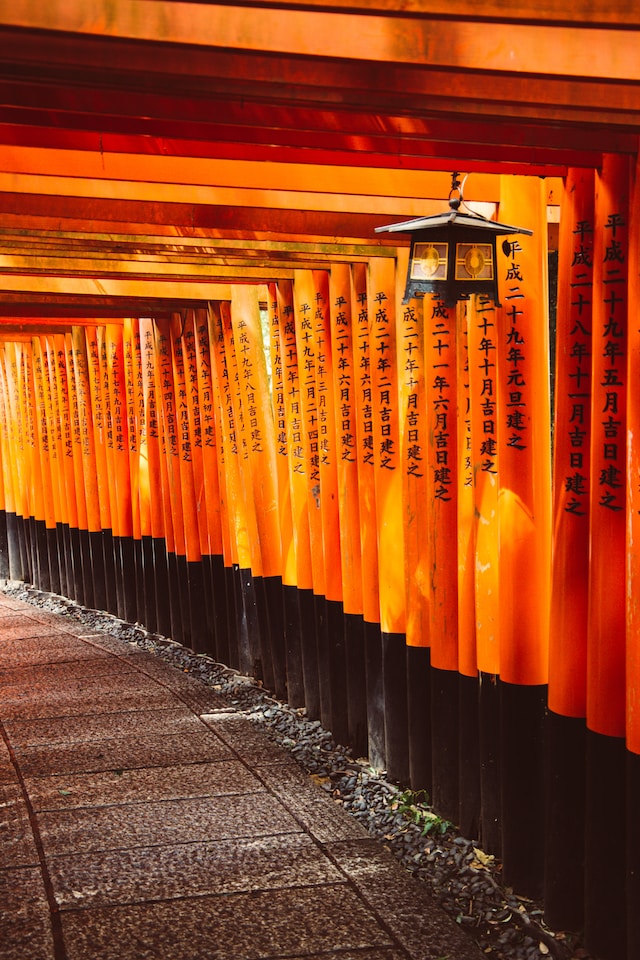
<point x="400" y="153"/>
<point x="545" y="112"/>
<point x="26" y="308"/>
<point x="575" y="50"/>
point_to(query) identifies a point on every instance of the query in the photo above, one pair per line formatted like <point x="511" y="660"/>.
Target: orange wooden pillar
<point x="305" y="291"/>
<point x="344" y="387"/>
<point x="235" y="522"/>
<point x="206" y="440"/>
<point x="383" y="299"/>
<point x="606" y="651"/>
<point x="170" y="478"/>
<point x="99" y="392"/>
<point x="441" y="389"/>
<point x="5" y="568"/>
<point x="313" y="335"/>
<point x="632" y="574"/>
<point x="259" y="468"/>
<point x="292" y="468"/>
<point x="134" y="426"/>
<point x="469" y="762"/>
<point x="524" y="438"/>
<point x="183" y="472"/>
<point x="143" y="540"/>
<point x="67" y="473"/>
<point x="48" y="559"/>
<point x="84" y="573"/>
<point x="160" y="522"/>
<point x="10" y="468"/>
<point x="114" y="381"/>
<point x="415" y="432"/>
<point x="564" y="847"/>
<point x="86" y="469"/>
<point x="334" y="634"/>
<point x="278" y="348"/>
<point x="367" y="513"/>
<point x="33" y="468"/>
<point x="250" y="564"/>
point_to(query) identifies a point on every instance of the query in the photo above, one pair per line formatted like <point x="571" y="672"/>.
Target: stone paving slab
<point x="25" y="924"/>
<point x="242" y="926"/>
<point x="66" y="791"/>
<point x="177" y="719"/>
<point x="183" y="870"/>
<point x="245" y="737"/>
<point x="111" y="694"/>
<point x="152" y="750"/>
<point x="17" y="846"/>
<point x="405" y="904"/>
<point x="28" y="675"/>
<point x="309" y="804"/>
<point x="171" y="821"/>
<point x="42" y="647"/>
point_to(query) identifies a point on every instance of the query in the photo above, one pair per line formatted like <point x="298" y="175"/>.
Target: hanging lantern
<point x="453" y="254"/>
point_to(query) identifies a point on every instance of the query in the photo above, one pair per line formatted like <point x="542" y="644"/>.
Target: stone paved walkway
<point x="141" y="818"/>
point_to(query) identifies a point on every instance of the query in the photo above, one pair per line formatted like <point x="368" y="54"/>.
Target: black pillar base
<point x="23" y="549"/>
<point x="220" y="611"/>
<point x="54" y="560"/>
<point x="42" y="549"/>
<point x="96" y="548"/>
<point x="293" y="646"/>
<point x="490" y="768"/>
<point x="87" y="569"/>
<point x="4" y="547"/>
<point x="63" y="545"/>
<point x="175" y="609"/>
<point x="13" y="547"/>
<point x="633" y="855"/>
<point x="396" y="725"/>
<point x="322" y="658"/>
<point x="128" y="575"/>
<point x="419" y="717"/>
<point x="309" y="653"/>
<point x="162" y="588"/>
<point x="522" y="738"/>
<point x="444" y="742"/>
<point x="275" y="608"/>
<point x="337" y="661"/>
<point x="199" y="620"/>
<point x="468" y="758"/>
<point x="356" y="683"/>
<point x="110" y="578"/>
<point x="230" y="576"/>
<point x="77" y="585"/>
<point x="375" y="695"/>
<point x="138" y="562"/>
<point x="263" y="633"/>
<point x="183" y="632"/>
<point x="150" y="618"/>
<point x="605" y="917"/>
<point x="564" y="822"/>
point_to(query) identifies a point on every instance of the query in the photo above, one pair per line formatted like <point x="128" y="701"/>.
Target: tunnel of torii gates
<point x="381" y="511"/>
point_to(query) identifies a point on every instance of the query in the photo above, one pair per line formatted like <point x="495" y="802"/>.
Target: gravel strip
<point x="463" y="878"/>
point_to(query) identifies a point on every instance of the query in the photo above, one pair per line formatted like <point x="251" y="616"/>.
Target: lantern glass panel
<point x="474" y="261"/>
<point x="429" y="261"/>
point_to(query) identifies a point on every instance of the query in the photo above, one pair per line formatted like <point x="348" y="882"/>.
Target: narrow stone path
<point x="141" y="817"/>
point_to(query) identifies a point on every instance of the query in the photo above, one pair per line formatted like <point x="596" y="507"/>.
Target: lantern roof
<point x="450" y="219"/>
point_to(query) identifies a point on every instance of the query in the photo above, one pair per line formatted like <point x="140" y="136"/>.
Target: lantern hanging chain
<point x="456" y="196"/>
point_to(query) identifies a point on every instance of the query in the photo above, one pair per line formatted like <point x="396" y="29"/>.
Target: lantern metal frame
<point x="453" y="254"/>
